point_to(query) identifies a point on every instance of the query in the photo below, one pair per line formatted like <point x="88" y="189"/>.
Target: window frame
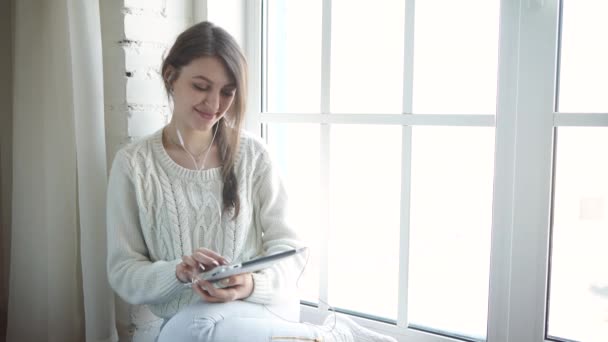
<point x="525" y="124"/>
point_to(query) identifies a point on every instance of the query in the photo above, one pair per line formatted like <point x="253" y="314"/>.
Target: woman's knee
<point x="186" y="327"/>
<point x="202" y="328"/>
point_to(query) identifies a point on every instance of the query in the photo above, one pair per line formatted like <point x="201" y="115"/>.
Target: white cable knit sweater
<point x="158" y="211"/>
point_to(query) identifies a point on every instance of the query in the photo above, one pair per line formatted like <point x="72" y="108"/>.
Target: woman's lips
<point x="204" y="115"/>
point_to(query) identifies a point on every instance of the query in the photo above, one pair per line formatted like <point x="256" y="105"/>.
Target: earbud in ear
<point x="169" y="80"/>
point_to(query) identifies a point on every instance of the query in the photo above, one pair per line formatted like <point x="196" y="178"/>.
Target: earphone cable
<point x="329" y="307"/>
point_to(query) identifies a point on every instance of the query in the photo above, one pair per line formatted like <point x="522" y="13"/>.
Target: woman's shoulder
<point x="252" y="146"/>
<point x="254" y="157"/>
<point x="138" y="149"/>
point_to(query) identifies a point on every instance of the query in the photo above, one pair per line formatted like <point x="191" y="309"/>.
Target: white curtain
<point x="58" y="284"/>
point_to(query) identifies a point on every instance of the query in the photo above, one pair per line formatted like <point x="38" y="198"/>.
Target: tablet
<point x="257" y="264"/>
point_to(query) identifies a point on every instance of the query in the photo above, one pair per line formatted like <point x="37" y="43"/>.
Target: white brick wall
<point x="136" y="34"/>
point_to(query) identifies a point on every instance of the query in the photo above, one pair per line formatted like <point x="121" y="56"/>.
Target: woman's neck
<point x="196" y="142"/>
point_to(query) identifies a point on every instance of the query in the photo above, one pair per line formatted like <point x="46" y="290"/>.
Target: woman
<point x="200" y="193"/>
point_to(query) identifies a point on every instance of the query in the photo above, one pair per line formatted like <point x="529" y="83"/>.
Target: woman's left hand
<point x="234" y="288"/>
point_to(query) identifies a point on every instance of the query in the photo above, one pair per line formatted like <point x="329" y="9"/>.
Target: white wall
<point x="135" y="35"/>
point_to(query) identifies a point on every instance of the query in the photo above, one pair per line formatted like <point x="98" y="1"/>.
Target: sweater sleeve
<point x="132" y="275"/>
<point x="270" y="202"/>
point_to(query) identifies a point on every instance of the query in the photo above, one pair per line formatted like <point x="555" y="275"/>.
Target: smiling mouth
<point x="204" y="115"/>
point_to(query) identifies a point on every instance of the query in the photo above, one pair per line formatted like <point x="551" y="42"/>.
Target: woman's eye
<point x="201" y="88"/>
<point x="228" y="93"/>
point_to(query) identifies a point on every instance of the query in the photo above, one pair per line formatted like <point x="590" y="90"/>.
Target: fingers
<point x="189" y="261"/>
<point x="184" y="272"/>
<point x="192" y="267"/>
<point x="227" y="282"/>
<point x="233" y="280"/>
<point x="202" y="259"/>
<point x="207" y="261"/>
<point x="210" y="256"/>
<point x="232" y="288"/>
<point x="214" y="295"/>
<point x="204" y="294"/>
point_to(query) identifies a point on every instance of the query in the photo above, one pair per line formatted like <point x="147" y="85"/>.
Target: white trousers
<point x="238" y="321"/>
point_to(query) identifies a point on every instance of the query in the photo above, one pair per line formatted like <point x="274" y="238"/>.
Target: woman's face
<point x="202" y="93"/>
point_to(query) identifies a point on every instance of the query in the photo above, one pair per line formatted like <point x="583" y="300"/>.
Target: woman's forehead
<point x="210" y="69"/>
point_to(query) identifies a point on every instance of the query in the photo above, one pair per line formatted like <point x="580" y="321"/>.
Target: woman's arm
<point x="132" y="275"/>
<point x="270" y="213"/>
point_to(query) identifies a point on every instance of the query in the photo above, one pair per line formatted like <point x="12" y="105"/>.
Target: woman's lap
<point x="234" y="321"/>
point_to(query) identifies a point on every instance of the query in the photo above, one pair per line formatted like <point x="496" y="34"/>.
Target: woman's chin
<point x="202" y="126"/>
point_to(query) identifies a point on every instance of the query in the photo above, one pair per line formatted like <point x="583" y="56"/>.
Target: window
<point x="445" y="161"/>
<point x="578" y="301"/>
<point x="339" y="90"/>
<point x="584" y="52"/>
<point x="578" y="284"/>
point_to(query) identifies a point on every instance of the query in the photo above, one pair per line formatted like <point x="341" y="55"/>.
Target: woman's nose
<point x="212" y="101"/>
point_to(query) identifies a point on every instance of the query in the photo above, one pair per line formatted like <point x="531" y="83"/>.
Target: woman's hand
<point x="234" y="288"/>
<point x="201" y="260"/>
<point x="184" y="272"/>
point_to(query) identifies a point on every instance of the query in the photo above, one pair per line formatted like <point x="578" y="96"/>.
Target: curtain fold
<point x="58" y="284"/>
<point x="87" y="85"/>
<point x="6" y="124"/>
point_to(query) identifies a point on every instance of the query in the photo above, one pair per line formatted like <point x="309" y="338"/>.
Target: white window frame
<point x="524" y="140"/>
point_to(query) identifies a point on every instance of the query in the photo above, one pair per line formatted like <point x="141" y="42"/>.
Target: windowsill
<point x="313" y="315"/>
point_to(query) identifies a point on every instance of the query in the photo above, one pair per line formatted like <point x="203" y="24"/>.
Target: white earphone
<point x="183" y="144"/>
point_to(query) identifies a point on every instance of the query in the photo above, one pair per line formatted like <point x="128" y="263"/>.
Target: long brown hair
<point x="206" y="39"/>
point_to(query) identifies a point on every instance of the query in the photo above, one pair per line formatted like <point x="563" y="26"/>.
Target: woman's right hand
<point x="201" y="260"/>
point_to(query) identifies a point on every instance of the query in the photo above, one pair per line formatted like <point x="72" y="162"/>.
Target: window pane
<point x="364" y="218"/>
<point x="294" y="56"/>
<point x="584" y="57"/>
<point x="367" y="56"/>
<point x="455" y="56"/>
<point x="296" y="150"/>
<point x="578" y="297"/>
<point x="450" y="226"/>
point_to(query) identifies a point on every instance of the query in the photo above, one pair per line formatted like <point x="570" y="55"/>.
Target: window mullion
<point x="406" y="163"/>
<point x="504" y="172"/>
<point x="325" y="155"/>
<point x="254" y="45"/>
<point x="520" y="242"/>
<point x="200" y="11"/>
<point x="581" y="119"/>
<point x="483" y="120"/>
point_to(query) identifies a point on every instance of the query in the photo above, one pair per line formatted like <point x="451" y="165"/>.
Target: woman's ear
<point x="169" y="77"/>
